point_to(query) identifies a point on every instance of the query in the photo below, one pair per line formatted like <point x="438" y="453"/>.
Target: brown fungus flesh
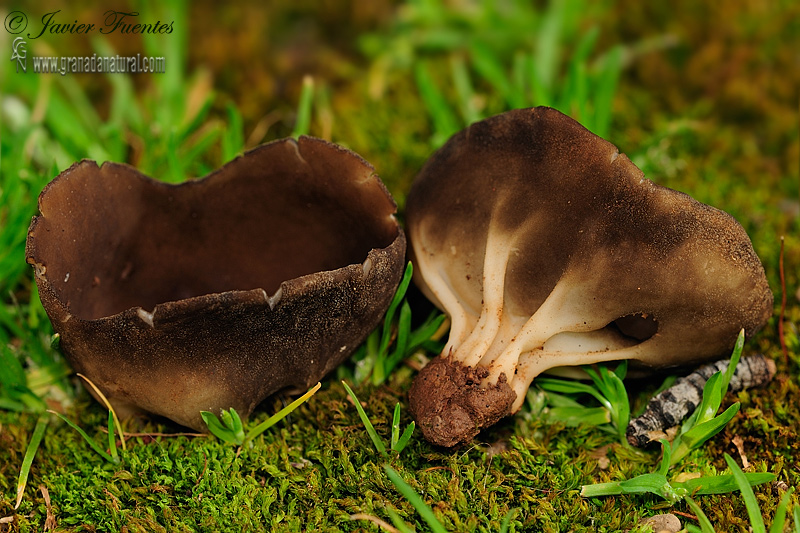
<point x="548" y="248"/>
<point x="218" y="292"/>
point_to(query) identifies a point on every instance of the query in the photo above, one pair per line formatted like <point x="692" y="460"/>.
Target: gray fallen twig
<point x="672" y="405"/>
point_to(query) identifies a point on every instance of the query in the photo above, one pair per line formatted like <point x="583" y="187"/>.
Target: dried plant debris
<point x="668" y="408"/>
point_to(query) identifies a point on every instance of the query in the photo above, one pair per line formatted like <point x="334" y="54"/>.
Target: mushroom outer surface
<point x="218" y="292"/>
<point x="548" y="248"/>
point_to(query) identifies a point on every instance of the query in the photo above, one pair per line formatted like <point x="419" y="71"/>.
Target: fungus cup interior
<point x="217" y="292"/>
<point x="115" y="239"/>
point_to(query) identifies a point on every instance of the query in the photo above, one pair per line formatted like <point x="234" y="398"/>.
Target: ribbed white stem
<point x="461" y="322"/>
<point x="533" y="363"/>
<point x="498" y="247"/>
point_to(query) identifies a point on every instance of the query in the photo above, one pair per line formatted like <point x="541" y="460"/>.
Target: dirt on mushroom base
<point x="449" y="404"/>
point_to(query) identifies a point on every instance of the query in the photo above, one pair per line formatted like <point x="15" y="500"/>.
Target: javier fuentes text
<point x="113" y="21"/>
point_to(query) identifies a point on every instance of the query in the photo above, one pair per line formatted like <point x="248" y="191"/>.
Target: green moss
<point x="318" y="468"/>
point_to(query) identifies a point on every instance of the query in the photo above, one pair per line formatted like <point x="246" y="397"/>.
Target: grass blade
<point x="622" y="370"/>
<point x="613" y="389"/>
<point x="108" y="406"/>
<point x="702" y="519"/>
<point x="548" y="47"/>
<point x="556" y="400"/>
<point x="218" y="428"/>
<point x="735" y="356"/>
<point x="410" y="494"/>
<point x="112" y="439"/>
<point x="464" y="89"/>
<point x="280" y="415"/>
<point x="395" y="426"/>
<point x="401" y="526"/>
<point x="576" y="416"/>
<point x="398" y="297"/>
<point x="666" y="456"/>
<point x="195" y="123"/>
<point x="30" y="452"/>
<point x="366" y="357"/>
<point x="722" y="484"/>
<point x="699" y="434"/>
<point x="714" y="390"/>
<point x="11" y="405"/>
<point x="85" y="436"/>
<point x="780" y="513"/>
<point x="233" y="136"/>
<point x="303" y="121"/>
<point x="753" y="511"/>
<point x="575" y="94"/>
<point x="604" y="90"/>
<point x="653" y="483"/>
<point x="507" y="520"/>
<point x="12" y="373"/>
<point x="228" y="429"/>
<point x="709" y="404"/>
<point x="401" y="349"/>
<point x="376" y="440"/>
<point x="425" y="331"/>
<point x="572" y="387"/>
<point x="236" y="421"/>
<point x="403" y="441"/>
<point x="594" y="490"/>
<point x="489" y="67"/>
<point x="444" y="120"/>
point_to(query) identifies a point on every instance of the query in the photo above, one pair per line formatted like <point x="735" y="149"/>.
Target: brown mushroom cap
<point x="547" y="247"/>
<point x="218" y="292"/>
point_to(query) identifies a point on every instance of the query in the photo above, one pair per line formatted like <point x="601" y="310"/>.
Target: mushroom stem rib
<point x="460" y="321"/>
<point x="554" y="316"/>
<point x="472" y="350"/>
<point x="533" y="363"/>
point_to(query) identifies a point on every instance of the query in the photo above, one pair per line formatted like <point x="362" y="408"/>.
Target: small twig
<point x="50" y="519"/>
<point x="128" y="435"/>
<point x="738" y="442"/>
<point x="434" y="468"/>
<point x="668" y="408"/>
<point x="782" y="315"/>
<point x="685" y="515"/>
<point x="375" y="520"/>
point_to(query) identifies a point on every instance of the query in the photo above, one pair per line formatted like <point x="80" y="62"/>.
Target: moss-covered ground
<point x="707" y="104"/>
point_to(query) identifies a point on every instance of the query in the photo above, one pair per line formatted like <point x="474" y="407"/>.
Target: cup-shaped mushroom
<point x="218" y="292"/>
<point x="548" y="248"/>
